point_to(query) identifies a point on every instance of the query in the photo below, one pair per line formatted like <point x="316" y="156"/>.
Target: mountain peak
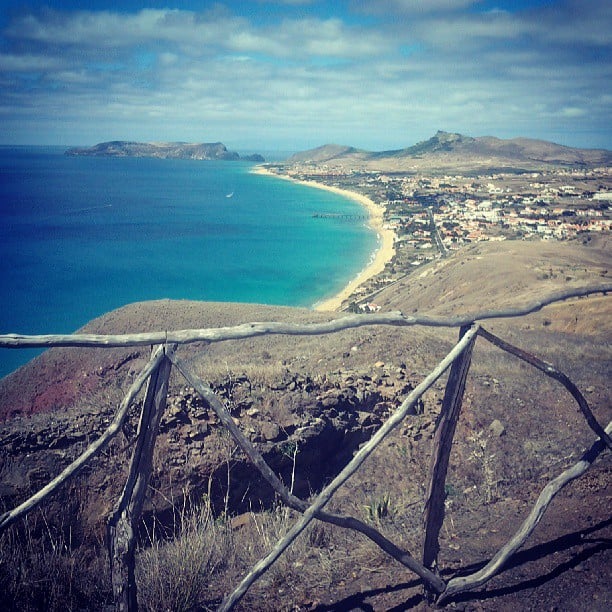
<point x="447" y="151"/>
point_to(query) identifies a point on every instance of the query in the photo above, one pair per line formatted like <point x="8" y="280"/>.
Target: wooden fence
<point x="124" y="519"/>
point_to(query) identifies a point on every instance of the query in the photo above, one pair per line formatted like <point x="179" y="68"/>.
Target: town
<point x="433" y="215"/>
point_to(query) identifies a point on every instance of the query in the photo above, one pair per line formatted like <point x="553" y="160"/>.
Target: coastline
<point x="384" y="253"/>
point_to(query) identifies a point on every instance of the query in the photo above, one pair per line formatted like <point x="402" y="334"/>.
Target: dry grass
<point x="193" y="566"/>
<point x="209" y="557"/>
<point x="44" y="571"/>
<point x="181" y="573"/>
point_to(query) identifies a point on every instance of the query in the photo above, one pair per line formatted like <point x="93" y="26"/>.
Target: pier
<point x="344" y="217"/>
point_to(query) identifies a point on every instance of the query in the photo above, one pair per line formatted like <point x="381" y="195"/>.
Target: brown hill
<point x="325" y="394"/>
<point x="494" y="275"/>
<point x="329" y="152"/>
<point x="447" y="151"/>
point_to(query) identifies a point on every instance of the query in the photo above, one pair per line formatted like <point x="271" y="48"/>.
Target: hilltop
<point x="450" y="151"/>
<point x="162" y="150"/>
<point x="323" y="395"/>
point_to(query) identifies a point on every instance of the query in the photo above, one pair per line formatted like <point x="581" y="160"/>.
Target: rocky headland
<point x="162" y="150"/>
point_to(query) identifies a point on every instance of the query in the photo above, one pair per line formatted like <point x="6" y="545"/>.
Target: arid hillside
<point x="506" y="274"/>
<point x="309" y="402"/>
<point x="447" y="152"/>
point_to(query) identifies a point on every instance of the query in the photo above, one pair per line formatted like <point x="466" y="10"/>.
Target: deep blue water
<point x="81" y="236"/>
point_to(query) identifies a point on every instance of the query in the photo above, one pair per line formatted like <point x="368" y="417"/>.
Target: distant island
<point x="162" y="150"/>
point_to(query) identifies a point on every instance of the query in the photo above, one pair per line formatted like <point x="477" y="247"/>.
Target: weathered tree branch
<point x="93" y="449"/>
<point x="553" y="372"/>
<point x="250" y="330"/>
<point x="404" y="557"/>
<point x="477" y="579"/>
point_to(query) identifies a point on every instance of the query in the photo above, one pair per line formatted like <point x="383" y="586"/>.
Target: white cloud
<point x="195" y="34"/>
<point x="10" y="62"/>
<point x="177" y="74"/>
<point x="412" y="7"/>
<point x="572" y="111"/>
<point x="168" y="59"/>
<point x="288" y="2"/>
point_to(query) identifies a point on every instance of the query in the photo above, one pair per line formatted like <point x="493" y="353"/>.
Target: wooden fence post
<point x="123" y="522"/>
<point x="449" y="415"/>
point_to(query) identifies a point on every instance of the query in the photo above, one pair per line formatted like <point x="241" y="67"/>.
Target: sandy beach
<point x="386" y="249"/>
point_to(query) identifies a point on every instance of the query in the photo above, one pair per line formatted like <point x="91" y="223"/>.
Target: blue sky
<point x="295" y="74"/>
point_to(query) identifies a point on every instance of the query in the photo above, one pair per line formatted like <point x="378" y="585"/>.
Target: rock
<point x="581" y="567"/>
<point x="269" y="431"/>
<point x="497" y="429"/>
<point x="367" y="419"/>
<point x="242" y="520"/>
<point x="329" y="402"/>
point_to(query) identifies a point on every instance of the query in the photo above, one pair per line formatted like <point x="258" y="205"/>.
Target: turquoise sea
<point x="80" y="236"/>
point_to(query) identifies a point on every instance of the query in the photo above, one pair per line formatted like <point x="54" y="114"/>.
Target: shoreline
<point x="383" y="254"/>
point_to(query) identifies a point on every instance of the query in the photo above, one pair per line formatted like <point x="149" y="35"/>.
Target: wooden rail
<point x="126" y="515"/>
<point x="250" y="330"/>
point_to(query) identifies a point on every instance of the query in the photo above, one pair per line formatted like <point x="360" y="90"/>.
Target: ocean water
<point x="80" y="236"/>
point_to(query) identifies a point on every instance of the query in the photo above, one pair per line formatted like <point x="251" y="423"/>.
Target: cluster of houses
<point x="496" y="207"/>
<point x="555" y="204"/>
<point x="434" y="214"/>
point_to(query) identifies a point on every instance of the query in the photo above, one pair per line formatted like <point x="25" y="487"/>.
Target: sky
<point x="263" y="75"/>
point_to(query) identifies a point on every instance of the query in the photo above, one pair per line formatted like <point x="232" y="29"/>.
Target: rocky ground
<point x="309" y="402"/>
